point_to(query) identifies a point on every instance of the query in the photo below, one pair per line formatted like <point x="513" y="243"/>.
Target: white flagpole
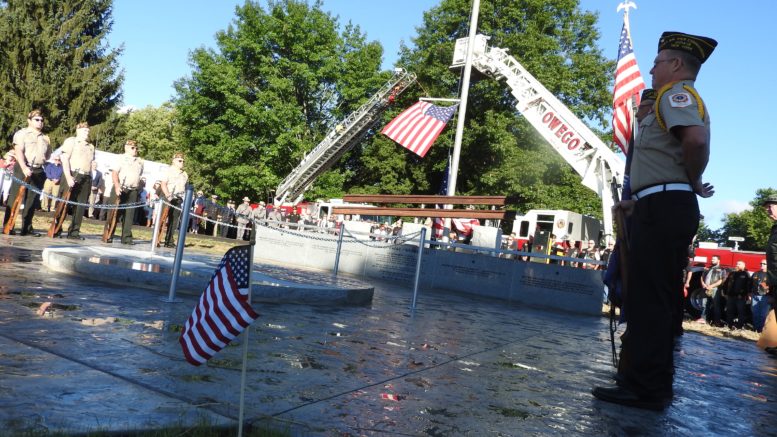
<point x="245" y="338"/>
<point x="454" y="171"/>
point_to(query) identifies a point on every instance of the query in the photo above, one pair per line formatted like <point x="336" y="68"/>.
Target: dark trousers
<point x="78" y="193"/>
<point x="37" y="179"/>
<point x="173" y="217"/>
<point x="735" y="308"/>
<point x="717" y="306"/>
<point x="125" y="215"/>
<point x="663" y="225"/>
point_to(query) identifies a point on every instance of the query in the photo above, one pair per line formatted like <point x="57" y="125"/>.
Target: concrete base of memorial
<point x="143" y="269"/>
<point x="532" y="283"/>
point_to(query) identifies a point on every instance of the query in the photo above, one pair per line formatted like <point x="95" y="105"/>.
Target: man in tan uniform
<point x="125" y="173"/>
<point x="77" y="154"/>
<point x="32" y="148"/>
<point x="173" y="185"/>
<point x="670" y="154"/>
<point x="243" y="213"/>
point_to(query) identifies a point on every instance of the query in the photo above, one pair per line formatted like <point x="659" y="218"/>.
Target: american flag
<point x="464" y="226"/>
<point x="628" y="84"/>
<point x="223" y="311"/>
<point x="418" y="126"/>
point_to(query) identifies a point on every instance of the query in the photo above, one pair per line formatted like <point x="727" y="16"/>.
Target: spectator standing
<point x="228" y="219"/>
<point x="710" y="281"/>
<point x="737" y="287"/>
<point x="212" y="213"/>
<point x="6" y="169"/>
<point x="590" y="253"/>
<point x="759" y="290"/>
<point x="97" y="183"/>
<point x="198" y="208"/>
<point x="31" y="149"/>
<point x="53" y="170"/>
<point x="151" y="203"/>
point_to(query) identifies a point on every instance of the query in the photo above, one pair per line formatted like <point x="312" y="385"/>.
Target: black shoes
<point x="624" y="396"/>
<point x="75" y="237"/>
<point x="170" y="245"/>
<point x="110" y="240"/>
<point x="128" y="242"/>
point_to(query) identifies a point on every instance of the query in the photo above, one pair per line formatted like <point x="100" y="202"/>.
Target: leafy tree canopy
<point x="752" y="224"/>
<point x="269" y="92"/>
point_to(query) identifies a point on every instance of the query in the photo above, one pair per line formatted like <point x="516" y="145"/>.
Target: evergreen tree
<point x="53" y="56"/>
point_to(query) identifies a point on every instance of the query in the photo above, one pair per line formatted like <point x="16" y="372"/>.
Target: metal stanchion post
<point x="185" y="207"/>
<point x="157" y="224"/>
<point x="418" y="266"/>
<point x="339" y="247"/>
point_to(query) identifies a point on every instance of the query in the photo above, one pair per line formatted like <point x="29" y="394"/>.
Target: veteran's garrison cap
<point x="699" y="46"/>
<point x="769" y="199"/>
<point x="649" y="94"/>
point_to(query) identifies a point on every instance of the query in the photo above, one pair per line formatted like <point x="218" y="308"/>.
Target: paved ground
<point x="107" y="358"/>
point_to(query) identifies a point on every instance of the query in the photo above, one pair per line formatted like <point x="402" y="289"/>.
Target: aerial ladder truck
<point x="341" y="138"/>
<point x="600" y="168"/>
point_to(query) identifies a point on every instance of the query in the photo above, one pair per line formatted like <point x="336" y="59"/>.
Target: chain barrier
<point x="72" y="202"/>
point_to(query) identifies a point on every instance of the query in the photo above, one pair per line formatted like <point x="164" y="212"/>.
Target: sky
<point x="158" y="36"/>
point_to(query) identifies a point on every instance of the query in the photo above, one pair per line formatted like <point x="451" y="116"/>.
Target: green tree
<point x="752" y="224"/>
<point x="54" y="56"/>
<point x="268" y="94"/>
<point x="156" y="131"/>
<point x="501" y="152"/>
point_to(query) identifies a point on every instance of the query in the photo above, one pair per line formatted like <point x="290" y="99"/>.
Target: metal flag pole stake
<point x="339" y="247"/>
<point x="421" y="244"/>
<point x="245" y="339"/>
<point x="187" y="201"/>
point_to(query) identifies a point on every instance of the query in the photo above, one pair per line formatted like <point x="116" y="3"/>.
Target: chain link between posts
<point x="72" y="202"/>
<point x="351" y="238"/>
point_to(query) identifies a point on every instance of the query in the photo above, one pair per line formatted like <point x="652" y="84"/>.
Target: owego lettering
<point x="562" y="131"/>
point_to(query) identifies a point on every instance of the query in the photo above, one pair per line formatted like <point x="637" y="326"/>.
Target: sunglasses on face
<point x="37" y="119"/>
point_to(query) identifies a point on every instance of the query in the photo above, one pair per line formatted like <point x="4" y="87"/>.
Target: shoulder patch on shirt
<point x="679" y="100"/>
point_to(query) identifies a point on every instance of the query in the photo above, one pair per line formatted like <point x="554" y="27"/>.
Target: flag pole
<point x="473" y="29"/>
<point x="245" y="337"/>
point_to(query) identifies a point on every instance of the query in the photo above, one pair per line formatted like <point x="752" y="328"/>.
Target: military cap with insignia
<point x="769" y="199"/>
<point x="699" y="46"/>
<point x="649" y="94"/>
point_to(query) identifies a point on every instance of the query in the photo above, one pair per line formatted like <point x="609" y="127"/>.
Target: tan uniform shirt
<point x="79" y="153"/>
<point x="176" y="181"/>
<point x="658" y="155"/>
<point x="36" y="145"/>
<point x="243" y="213"/>
<point x="129" y="169"/>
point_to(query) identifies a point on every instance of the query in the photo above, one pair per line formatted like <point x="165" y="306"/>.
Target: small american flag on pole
<point x="223" y="311"/>
<point x="628" y="84"/>
<point x="418" y="126"/>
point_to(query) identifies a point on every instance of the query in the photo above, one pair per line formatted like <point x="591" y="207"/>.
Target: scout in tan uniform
<point x="77" y="156"/>
<point x="173" y="188"/>
<point x="125" y="173"/>
<point x="32" y="148"/>
<point x="670" y="154"/>
<point x="244" y="213"/>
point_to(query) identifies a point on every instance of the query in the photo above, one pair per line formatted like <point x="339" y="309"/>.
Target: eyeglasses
<point x="37" y="119"/>
<point x="133" y="147"/>
<point x="763" y="264"/>
<point x="179" y="160"/>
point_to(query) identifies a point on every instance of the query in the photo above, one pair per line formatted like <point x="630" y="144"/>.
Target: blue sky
<point x="158" y="36"/>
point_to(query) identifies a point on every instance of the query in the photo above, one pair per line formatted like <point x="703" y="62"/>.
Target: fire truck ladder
<point x="596" y="163"/>
<point x="342" y="138"/>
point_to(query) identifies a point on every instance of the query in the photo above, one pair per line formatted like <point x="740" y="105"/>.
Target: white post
<point x="473" y="28"/>
<point x="157" y="225"/>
